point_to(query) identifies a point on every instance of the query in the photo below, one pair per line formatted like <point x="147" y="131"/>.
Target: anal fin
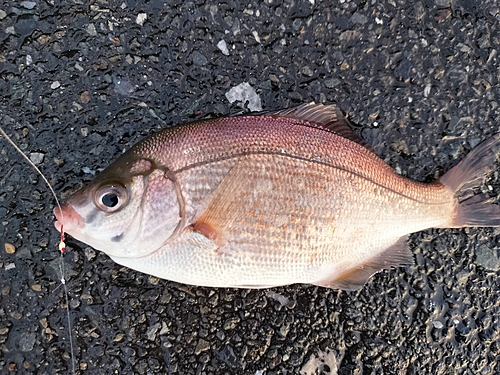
<point x="354" y="278"/>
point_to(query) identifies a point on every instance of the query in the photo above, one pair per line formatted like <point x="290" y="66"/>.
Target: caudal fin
<point x="475" y="208"/>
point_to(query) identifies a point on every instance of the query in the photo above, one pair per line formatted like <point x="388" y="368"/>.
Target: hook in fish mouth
<point x="67" y="216"/>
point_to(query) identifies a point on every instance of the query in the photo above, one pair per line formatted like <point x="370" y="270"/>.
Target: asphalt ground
<point x="80" y="82"/>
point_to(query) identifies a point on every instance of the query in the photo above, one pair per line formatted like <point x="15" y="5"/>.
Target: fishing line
<point x="62" y="245"/>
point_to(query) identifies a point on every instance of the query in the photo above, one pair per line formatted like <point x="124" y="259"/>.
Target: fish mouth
<point x="67" y="218"/>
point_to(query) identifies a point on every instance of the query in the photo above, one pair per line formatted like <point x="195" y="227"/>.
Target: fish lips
<point x="67" y="219"/>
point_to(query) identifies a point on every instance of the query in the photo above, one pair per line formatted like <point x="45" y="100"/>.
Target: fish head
<point x="130" y="210"/>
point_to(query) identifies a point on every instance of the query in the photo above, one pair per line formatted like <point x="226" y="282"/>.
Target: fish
<point x="271" y="199"/>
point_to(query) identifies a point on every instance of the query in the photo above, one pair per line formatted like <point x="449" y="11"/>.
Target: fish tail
<point x="474" y="207"/>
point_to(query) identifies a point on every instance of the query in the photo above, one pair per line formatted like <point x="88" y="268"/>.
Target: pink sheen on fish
<point x="258" y="201"/>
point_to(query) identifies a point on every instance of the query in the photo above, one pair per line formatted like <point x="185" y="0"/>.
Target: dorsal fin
<point x="326" y="117"/>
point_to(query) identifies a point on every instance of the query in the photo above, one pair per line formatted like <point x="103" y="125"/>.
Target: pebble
<point x="87" y="170"/>
<point x="202" y="346"/>
<point x="9" y="248"/>
<point x="141" y="18"/>
<point x="437" y="324"/>
<point x="278" y="297"/>
<point x="358" y="19"/>
<point x="55" y="85"/>
<point x="223" y="47"/>
<point x="91" y="29"/>
<point x="487" y="258"/>
<point x="28" y="4"/>
<point x="245" y="94"/>
<point x="37" y="157"/>
<point x="152" y="331"/>
<point x="85" y="97"/>
<point x="199" y="59"/>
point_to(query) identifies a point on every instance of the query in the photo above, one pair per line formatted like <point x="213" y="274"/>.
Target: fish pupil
<point x="110" y="200"/>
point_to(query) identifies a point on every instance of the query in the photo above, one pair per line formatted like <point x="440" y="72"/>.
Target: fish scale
<point x="257" y="201"/>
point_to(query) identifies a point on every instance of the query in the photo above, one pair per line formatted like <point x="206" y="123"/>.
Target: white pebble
<point x="245" y="94"/>
<point x="141" y="18"/>
<point x="223" y="47"/>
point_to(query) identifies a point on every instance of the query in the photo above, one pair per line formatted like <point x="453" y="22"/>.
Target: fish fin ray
<point x="200" y="240"/>
<point x="217" y="219"/>
<point x="473" y="207"/>
<point x="326" y="117"/>
<point x="355" y="278"/>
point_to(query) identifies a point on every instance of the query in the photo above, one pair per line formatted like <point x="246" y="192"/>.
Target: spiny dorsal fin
<point x="354" y="279"/>
<point x="326" y="117"/>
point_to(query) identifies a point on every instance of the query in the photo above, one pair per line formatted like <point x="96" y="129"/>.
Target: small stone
<point x="462" y="277"/>
<point x="278" y="297"/>
<point x="437" y="324"/>
<point x="307" y="71"/>
<point x="256" y="36"/>
<point x="87" y="170"/>
<point x="202" y="346"/>
<point x="223" y="47"/>
<point x="199" y="59"/>
<point x="164" y="329"/>
<point x="141" y="18"/>
<point x="58" y="161"/>
<point x="55" y="85"/>
<point x="246" y="94"/>
<point x="37" y="157"/>
<point x="9" y="248"/>
<point x="3" y="14"/>
<point x="231" y="323"/>
<point x="91" y="29"/>
<point x="119" y="337"/>
<point x="9" y="266"/>
<point x="487" y="258"/>
<point x="85" y="97"/>
<point x="152" y="331"/>
<point x="28" y="4"/>
<point x="36" y="287"/>
<point x="153" y="280"/>
<point x="358" y="19"/>
<point x="27" y="341"/>
<point x="331" y="83"/>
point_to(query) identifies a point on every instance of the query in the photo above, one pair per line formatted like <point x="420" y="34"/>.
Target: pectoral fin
<point x="354" y="278"/>
<point x="229" y="199"/>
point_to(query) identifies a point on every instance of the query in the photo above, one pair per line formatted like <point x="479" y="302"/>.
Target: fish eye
<point x="111" y="198"/>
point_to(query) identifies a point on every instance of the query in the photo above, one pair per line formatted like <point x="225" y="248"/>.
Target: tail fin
<point x="475" y="208"/>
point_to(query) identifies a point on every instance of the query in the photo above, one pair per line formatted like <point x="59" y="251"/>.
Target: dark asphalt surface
<point x="81" y="82"/>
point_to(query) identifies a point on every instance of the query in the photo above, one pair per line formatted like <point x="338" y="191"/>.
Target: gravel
<point x="80" y="83"/>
